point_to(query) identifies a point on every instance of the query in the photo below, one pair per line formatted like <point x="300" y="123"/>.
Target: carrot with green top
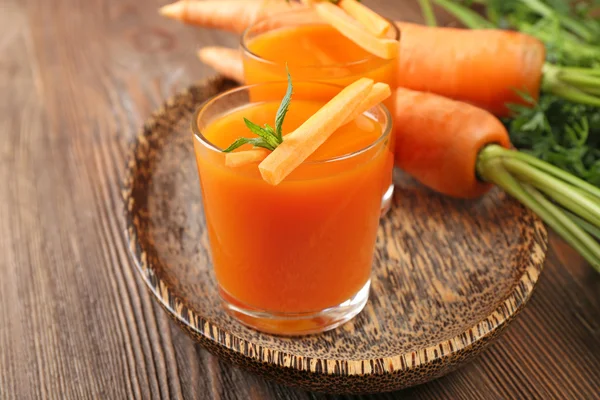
<point x="461" y="150"/>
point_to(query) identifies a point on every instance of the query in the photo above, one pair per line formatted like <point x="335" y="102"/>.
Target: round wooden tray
<point x="448" y="275"/>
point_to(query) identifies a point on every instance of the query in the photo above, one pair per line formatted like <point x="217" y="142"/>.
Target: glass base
<point x="293" y="324"/>
<point x="386" y="201"/>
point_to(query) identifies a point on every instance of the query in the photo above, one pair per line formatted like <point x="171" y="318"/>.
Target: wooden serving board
<point x="448" y="275"/>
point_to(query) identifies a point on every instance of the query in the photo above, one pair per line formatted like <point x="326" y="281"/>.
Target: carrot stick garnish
<point x="226" y="61"/>
<point x="378" y="93"/>
<point x="372" y="21"/>
<point x="336" y="17"/>
<point x="301" y="143"/>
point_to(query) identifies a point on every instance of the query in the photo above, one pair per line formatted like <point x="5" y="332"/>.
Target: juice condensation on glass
<point x="307" y="244"/>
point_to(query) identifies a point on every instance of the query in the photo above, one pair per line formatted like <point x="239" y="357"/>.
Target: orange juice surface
<point x="313" y="52"/>
<point x="306" y="244"/>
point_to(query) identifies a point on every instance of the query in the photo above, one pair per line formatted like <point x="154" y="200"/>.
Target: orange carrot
<point x="372" y="21"/>
<point x="482" y="67"/>
<point x="438" y="141"/>
<point x="229" y="15"/>
<point x="336" y="17"/>
<point x="301" y="143"/>
<point x="227" y="61"/>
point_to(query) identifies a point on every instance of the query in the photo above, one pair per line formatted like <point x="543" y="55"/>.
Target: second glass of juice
<point x="314" y="51"/>
<point x="293" y="258"/>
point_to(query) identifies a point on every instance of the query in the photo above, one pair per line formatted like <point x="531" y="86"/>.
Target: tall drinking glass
<point x="293" y="258"/>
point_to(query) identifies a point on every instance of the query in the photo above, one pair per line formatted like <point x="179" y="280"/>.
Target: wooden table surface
<point x="77" y="80"/>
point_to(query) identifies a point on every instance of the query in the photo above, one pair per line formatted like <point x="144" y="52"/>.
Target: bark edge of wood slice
<point x="448" y="275"/>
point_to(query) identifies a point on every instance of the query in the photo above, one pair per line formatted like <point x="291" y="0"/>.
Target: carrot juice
<point x="293" y="258"/>
<point x="313" y="51"/>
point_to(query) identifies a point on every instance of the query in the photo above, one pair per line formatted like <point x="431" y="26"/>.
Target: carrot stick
<point x="240" y="158"/>
<point x="336" y="17"/>
<point x="372" y="21"/>
<point x="438" y="141"/>
<point x="301" y="143"/>
<point x="224" y="14"/>
<point x="378" y="93"/>
<point x="228" y="62"/>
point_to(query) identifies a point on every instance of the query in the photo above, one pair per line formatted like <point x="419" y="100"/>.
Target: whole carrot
<point x="484" y="67"/>
<point x="460" y="150"/>
<point x="438" y="141"/>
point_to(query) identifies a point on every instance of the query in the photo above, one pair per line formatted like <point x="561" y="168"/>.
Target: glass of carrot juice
<point x="314" y="51"/>
<point x="294" y="258"/>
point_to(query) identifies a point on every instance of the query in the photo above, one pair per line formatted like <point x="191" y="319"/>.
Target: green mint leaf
<point x="237" y="143"/>
<point x="268" y="137"/>
<point x="263" y="133"/>
<point x="270" y="129"/>
<point x="283" y="107"/>
<point x="260" y="142"/>
<point x="256" y="142"/>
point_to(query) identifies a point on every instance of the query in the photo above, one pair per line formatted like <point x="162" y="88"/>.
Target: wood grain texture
<point x="78" y="79"/>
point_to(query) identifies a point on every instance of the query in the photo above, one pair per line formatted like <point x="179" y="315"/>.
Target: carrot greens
<point x="566" y="203"/>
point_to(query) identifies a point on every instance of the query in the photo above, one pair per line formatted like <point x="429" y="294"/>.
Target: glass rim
<point x="385" y="132"/>
<point x="250" y="53"/>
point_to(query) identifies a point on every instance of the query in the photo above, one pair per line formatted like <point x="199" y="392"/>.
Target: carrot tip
<point x="170" y="10"/>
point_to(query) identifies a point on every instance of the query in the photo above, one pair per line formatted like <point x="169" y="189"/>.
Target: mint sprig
<point x="283" y="107"/>
<point x="268" y="137"/>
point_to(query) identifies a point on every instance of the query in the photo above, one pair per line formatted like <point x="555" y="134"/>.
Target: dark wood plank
<point x="79" y="78"/>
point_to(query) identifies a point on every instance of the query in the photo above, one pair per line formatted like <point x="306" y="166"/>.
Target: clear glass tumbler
<point x="286" y="38"/>
<point x="293" y="258"/>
